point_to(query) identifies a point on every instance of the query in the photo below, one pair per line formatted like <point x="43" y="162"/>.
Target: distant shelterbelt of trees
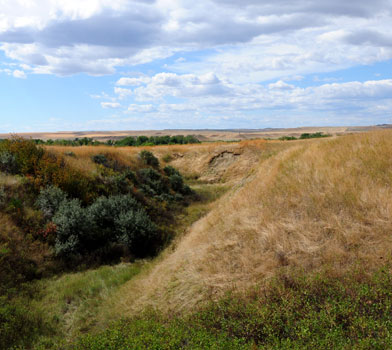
<point x="305" y="136"/>
<point x="127" y="141"/>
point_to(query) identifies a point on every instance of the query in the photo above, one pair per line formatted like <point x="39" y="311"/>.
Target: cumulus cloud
<point x="19" y="74"/>
<point x="110" y="105"/>
<point x="122" y="93"/>
<point x="142" y="108"/>
<point x="215" y="58"/>
<point x="206" y="94"/>
<point x="132" y="81"/>
<point x="97" y="36"/>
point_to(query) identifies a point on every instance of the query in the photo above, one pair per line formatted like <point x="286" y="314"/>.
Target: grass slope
<point x="318" y="203"/>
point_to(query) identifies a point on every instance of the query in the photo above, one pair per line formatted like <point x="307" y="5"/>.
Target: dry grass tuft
<point x="320" y="203"/>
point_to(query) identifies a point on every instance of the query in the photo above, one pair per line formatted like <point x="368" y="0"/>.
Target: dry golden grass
<point x="317" y="204"/>
<point x="191" y="160"/>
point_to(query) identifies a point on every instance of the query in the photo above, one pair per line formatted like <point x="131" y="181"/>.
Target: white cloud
<point x="260" y="39"/>
<point x="141" y="108"/>
<point x="358" y="96"/>
<point x="19" y="74"/>
<point x="132" y="81"/>
<point x="110" y="105"/>
<point x="281" y="85"/>
<point x="232" y="59"/>
<point x="122" y="93"/>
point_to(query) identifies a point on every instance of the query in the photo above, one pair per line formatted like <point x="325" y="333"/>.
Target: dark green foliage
<point x="139" y="234"/>
<point x="141" y="140"/>
<point x="116" y="222"/>
<point x="156" y="140"/>
<point x="127" y="141"/>
<point x="104" y="214"/>
<point x="3" y="196"/>
<point x="169" y="187"/>
<point x="100" y="159"/>
<point x="313" y="136"/>
<point x="169" y="170"/>
<point x="305" y="136"/>
<point x="49" y="200"/>
<point x="8" y="163"/>
<point x="73" y="226"/>
<point x="70" y="154"/>
<point x="152" y="182"/>
<point x="287" y="138"/>
<point x="85" y="141"/>
<point x="177" y="181"/>
<point x="148" y="158"/>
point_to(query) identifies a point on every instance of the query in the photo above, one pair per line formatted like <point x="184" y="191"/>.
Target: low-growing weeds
<point x="296" y="312"/>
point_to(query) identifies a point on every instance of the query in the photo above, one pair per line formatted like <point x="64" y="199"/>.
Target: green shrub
<point x="148" y="158"/>
<point x="70" y="154"/>
<point x="109" y="223"/>
<point x="100" y="159"/>
<point x="8" y="163"/>
<point x="152" y="182"/>
<point x="49" y="200"/>
<point x="169" y="170"/>
<point x="3" y="196"/>
<point x="287" y="138"/>
<point x="137" y="232"/>
<point x="72" y="225"/>
<point x="313" y="136"/>
<point x="167" y="158"/>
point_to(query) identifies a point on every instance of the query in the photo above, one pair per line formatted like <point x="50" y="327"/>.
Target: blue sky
<point x="156" y="64"/>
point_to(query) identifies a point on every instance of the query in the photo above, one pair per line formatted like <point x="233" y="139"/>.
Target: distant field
<point x="202" y="135"/>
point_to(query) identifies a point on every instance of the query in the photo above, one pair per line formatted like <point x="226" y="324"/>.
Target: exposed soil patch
<point x="219" y="163"/>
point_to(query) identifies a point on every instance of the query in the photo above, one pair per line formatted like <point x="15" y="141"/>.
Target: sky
<point x="181" y="64"/>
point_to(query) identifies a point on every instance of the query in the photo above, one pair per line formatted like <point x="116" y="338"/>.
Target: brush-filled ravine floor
<point x="70" y="305"/>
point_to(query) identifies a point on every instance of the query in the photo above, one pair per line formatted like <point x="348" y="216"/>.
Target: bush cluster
<point x="100" y="217"/>
<point x="116" y="223"/>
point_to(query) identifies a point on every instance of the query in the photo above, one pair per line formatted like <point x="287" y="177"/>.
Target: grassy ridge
<point x="320" y="202"/>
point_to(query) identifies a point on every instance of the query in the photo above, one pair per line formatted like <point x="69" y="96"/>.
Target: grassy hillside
<point x="287" y="246"/>
<point x="320" y="205"/>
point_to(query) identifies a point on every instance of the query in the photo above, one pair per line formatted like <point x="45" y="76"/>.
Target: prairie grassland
<point x="192" y="160"/>
<point x="316" y="205"/>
